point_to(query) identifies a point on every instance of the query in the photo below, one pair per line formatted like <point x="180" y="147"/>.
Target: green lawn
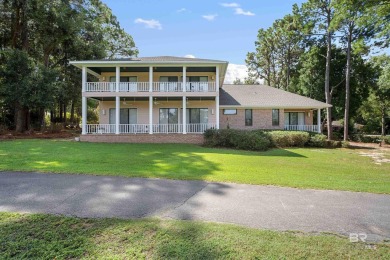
<point x="25" y="236"/>
<point x="340" y="169"/>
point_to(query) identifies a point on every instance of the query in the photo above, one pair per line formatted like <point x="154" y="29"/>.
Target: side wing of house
<point x="264" y="107"/>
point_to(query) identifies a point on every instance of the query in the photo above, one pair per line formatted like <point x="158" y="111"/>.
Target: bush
<point x="237" y="139"/>
<point x="317" y="140"/>
<point x="258" y="140"/>
<point x="289" y="138"/>
<point x="345" y="144"/>
<point x="366" y="139"/>
<point x="386" y="139"/>
<point x="333" y="144"/>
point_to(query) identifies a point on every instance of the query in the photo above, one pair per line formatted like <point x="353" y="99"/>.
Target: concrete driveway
<point x="265" y="207"/>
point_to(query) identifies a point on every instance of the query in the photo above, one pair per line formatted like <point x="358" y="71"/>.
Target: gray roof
<point x="261" y="96"/>
<point x="161" y="59"/>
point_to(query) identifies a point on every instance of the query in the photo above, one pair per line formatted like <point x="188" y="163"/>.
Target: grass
<point x="338" y="169"/>
<point x="32" y="236"/>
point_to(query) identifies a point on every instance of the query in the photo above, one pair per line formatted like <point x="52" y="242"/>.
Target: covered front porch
<point x="157" y="115"/>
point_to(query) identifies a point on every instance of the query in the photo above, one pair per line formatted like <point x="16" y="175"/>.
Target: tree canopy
<point x="38" y="39"/>
<point x="322" y="50"/>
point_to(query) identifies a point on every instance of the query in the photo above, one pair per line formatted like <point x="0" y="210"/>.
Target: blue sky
<point x="223" y="30"/>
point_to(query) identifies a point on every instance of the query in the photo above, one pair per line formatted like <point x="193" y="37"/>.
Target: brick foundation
<point x="144" y="138"/>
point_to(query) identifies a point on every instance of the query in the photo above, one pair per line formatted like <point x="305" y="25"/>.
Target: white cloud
<point x="181" y="10"/>
<point x="152" y="24"/>
<point x="235" y="71"/>
<point x="240" y="11"/>
<point x="189" y="56"/>
<point x="210" y="17"/>
<point x="229" y="4"/>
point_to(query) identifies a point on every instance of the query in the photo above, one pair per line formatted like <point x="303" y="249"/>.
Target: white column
<point x="117" y="78"/>
<point x="84" y="115"/>
<point x="84" y="78"/>
<point x="319" y="120"/>
<point x="184" y="78"/>
<point x="217" y="79"/>
<point x="117" y="114"/>
<point x="217" y="112"/>
<point x="184" y="115"/>
<point x="151" y="79"/>
<point x="150" y="115"/>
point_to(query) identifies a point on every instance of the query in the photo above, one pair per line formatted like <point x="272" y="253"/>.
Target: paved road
<point x="249" y="205"/>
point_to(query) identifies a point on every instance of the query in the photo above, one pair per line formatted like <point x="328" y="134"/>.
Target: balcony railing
<point x="309" y="128"/>
<point x="156" y="87"/>
<point x="144" y="128"/>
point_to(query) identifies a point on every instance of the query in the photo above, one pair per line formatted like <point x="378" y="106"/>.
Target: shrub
<point x="317" y="140"/>
<point x="289" y="138"/>
<point x="366" y="139"/>
<point x="333" y="144"/>
<point x="259" y="140"/>
<point x="386" y="139"/>
<point x="237" y="139"/>
<point x="345" y="144"/>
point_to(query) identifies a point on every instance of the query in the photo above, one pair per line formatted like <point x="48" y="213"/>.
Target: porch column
<point x="84" y="79"/>
<point x="217" y="112"/>
<point x="117" y="114"/>
<point x="184" y="79"/>
<point x="319" y="120"/>
<point x="184" y="115"/>
<point x="217" y="79"/>
<point x="84" y="115"/>
<point x="117" y="78"/>
<point x="150" y="115"/>
<point x="151" y="79"/>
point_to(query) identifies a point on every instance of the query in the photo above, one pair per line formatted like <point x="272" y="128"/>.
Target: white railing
<point x="200" y="86"/>
<point x="168" y="128"/>
<point x="100" y="87"/>
<point x="310" y="128"/>
<point x="167" y="87"/>
<point x="198" y="128"/>
<point x="144" y="87"/>
<point x="144" y="128"/>
<point x="134" y="86"/>
<point x="133" y="128"/>
<point x="100" y="129"/>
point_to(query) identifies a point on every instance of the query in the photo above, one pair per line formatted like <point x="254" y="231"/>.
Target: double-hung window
<point x="248" y="117"/>
<point x="275" y="117"/>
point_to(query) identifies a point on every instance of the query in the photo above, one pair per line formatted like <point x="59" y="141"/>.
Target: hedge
<point x="259" y="140"/>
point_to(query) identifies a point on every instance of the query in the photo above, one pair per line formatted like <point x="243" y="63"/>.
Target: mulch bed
<point x="39" y="135"/>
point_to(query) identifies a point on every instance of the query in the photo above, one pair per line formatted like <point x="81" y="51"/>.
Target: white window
<point x="230" y="111"/>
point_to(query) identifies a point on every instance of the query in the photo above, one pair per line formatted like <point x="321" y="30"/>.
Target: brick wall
<point x="144" y="138"/>
<point x="261" y="119"/>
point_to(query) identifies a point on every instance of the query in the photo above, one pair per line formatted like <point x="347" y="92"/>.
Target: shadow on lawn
<point x="98" y="197"/>
<point x="56" y="237"/>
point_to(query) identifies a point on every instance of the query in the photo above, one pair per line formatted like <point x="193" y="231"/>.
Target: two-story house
<point x="175" y="99"/>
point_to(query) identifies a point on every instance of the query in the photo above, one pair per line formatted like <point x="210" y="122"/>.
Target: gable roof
<point x="262" y="96"/>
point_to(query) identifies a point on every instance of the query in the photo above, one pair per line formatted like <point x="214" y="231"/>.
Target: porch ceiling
<point x="154" y="98"/>
<point x="99" y="70"/>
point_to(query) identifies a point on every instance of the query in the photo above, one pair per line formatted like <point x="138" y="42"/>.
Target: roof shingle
<point x="261" y="96"/>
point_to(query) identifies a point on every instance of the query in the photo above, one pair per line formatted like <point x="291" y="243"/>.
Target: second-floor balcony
<point x="155" y="87"/>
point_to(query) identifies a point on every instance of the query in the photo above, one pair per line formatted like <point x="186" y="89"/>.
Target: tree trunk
<point x="64" y="110"/>
<point x="327" y="79"/>
<point x="72" y="113"/>
<point x="347" y="84"/>
<point x="20" y="122"/>
<point x="60" y="106"/>
<point x="383" y="121"/>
